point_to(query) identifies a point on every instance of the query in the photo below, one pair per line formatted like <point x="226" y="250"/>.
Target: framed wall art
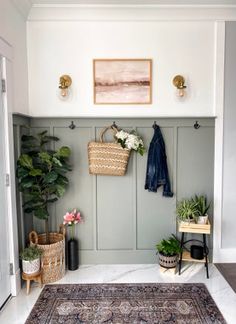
<point x="122" y="81"/>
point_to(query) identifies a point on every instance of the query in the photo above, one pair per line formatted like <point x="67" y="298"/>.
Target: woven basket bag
<point x="107" y="158"/>
<point x="53" y="257"/>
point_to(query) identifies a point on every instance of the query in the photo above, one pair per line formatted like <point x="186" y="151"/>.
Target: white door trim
<point x="219" y="254"/>
<point x="7" y="52"/>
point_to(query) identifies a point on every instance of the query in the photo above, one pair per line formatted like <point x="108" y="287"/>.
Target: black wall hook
<point x="154" y="124"/>
<point x="72" y="125"/>
<point x="196" y="125"/>
<point x="114" y="125"/>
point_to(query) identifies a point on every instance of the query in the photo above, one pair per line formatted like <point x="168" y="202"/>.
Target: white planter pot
<point x="31" y="267"/>
<point x="202" y="219"/>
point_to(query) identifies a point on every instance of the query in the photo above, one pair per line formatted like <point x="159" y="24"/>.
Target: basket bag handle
<point x="33" y="237"/>
<point x="105" y="130"/>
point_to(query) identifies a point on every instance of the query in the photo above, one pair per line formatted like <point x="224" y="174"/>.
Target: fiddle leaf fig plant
<point x="41" y="173"/>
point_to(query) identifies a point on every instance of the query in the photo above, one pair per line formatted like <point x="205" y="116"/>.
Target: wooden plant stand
<point x="168" y="270"/>
<point x="37" y="277"/>
<point x="196" y="229"/>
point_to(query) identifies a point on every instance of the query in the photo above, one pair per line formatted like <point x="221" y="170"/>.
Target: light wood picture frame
<point x="122" y="81"/>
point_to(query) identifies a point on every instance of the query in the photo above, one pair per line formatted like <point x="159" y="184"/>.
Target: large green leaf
<point x="26" y="183"/>
<point x="21" y="172"/>
<point x="52" y="200"/>
<point x="61" y="180"/>
<point x="35" y="172"/>
<point x="60" y="190"/>
<point x="50" y="138"/>
<point x="41" y="213"/>
<point x="50" y="177"/>
<point x="26" y="138"/>
<point x="42" y="133"/>
<point x="56" y="161"/>
<point x="45" y="157"/>
<point x="26" y="161"/>
<point x="64" y="151"/>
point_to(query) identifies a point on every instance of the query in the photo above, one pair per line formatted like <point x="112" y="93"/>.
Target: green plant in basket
<point x="41" y="174"/>
<point x="169" y="247"/>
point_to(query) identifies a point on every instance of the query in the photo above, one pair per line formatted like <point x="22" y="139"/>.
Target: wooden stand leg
<point x="205" y="253"/>
<point x="181" y="253"/>
<point x="28" y="286"/>
<point x="40" y="281"/>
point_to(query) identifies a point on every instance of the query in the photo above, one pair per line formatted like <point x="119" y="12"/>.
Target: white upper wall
<point x="13" y="31"/>
<point x="68" y="46"/>
<point x="56" y="48"/>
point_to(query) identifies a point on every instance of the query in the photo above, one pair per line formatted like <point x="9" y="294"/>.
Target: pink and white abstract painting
<point x="122" y="81"/>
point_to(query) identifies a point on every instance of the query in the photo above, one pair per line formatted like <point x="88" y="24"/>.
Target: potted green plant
<point x="41" y="173"/>
<point x="186" y="210"/>
<point x="169" y="250"/>
<point x="202" y="207"/>
<point x="31" y="259"/>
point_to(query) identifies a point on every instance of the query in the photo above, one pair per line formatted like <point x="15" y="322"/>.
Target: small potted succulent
<point x="187" y="211"/>
<point x="31" y="259"/>
<point x="202" y="207"/>
<point x="169" y="250"/>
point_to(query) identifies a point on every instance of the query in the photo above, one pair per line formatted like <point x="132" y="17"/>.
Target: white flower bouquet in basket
<point x="131" y="141"/>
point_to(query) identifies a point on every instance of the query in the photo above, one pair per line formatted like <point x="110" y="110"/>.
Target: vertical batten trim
<point x="175" y="170"/>
<point x="219" y="137"/>
<point x="135" y="202"/>
<point x="95" y="201"/>
<point x="22" y="225"/>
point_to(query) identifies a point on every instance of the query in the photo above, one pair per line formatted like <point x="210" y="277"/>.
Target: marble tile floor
<point x="18" y="308"/>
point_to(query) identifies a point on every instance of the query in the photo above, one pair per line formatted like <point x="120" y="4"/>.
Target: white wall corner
<point x="219" y="124"/>
<point x="23" y="7"/>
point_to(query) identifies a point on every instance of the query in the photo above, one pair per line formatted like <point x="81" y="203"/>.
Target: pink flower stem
<point x="72" y="233"/>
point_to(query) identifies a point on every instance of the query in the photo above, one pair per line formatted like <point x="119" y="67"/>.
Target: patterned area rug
<point x="125" y="303"/>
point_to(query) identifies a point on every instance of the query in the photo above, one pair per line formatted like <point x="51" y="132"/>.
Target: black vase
<point x="73" y="256"/>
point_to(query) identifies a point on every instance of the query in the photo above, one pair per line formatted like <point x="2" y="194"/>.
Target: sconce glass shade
<point x="64" y="87"/>
<point x="180" y="92"/>
<point x="64" y="94"/>
<point x="178" y="82"/>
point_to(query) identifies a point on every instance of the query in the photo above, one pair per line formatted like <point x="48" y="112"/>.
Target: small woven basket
<point x="53" y="257"/>
<point x="107" y="158"/>
<point x="168" y="261"/>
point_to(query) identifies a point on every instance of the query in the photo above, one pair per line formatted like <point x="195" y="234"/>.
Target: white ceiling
<point x="24" y="6"/>
<point x="143" y="2"/>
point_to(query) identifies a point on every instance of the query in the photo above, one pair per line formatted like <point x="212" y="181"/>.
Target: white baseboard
<point x="224" y="256"/>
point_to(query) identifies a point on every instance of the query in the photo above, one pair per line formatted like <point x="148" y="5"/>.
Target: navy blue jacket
<point x="157" y="170"/>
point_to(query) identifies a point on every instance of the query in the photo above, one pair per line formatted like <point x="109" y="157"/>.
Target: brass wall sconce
<point x="178" y="82"/>
<point x="64" y="85"/>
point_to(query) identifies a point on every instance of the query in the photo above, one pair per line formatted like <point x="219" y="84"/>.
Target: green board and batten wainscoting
<point x="122" y="221"/>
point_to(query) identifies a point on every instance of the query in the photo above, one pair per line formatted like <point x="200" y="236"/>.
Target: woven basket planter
<point x="107" y="158"/>
<point x="53" y="257"/>
<point x="168" y="261"/>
